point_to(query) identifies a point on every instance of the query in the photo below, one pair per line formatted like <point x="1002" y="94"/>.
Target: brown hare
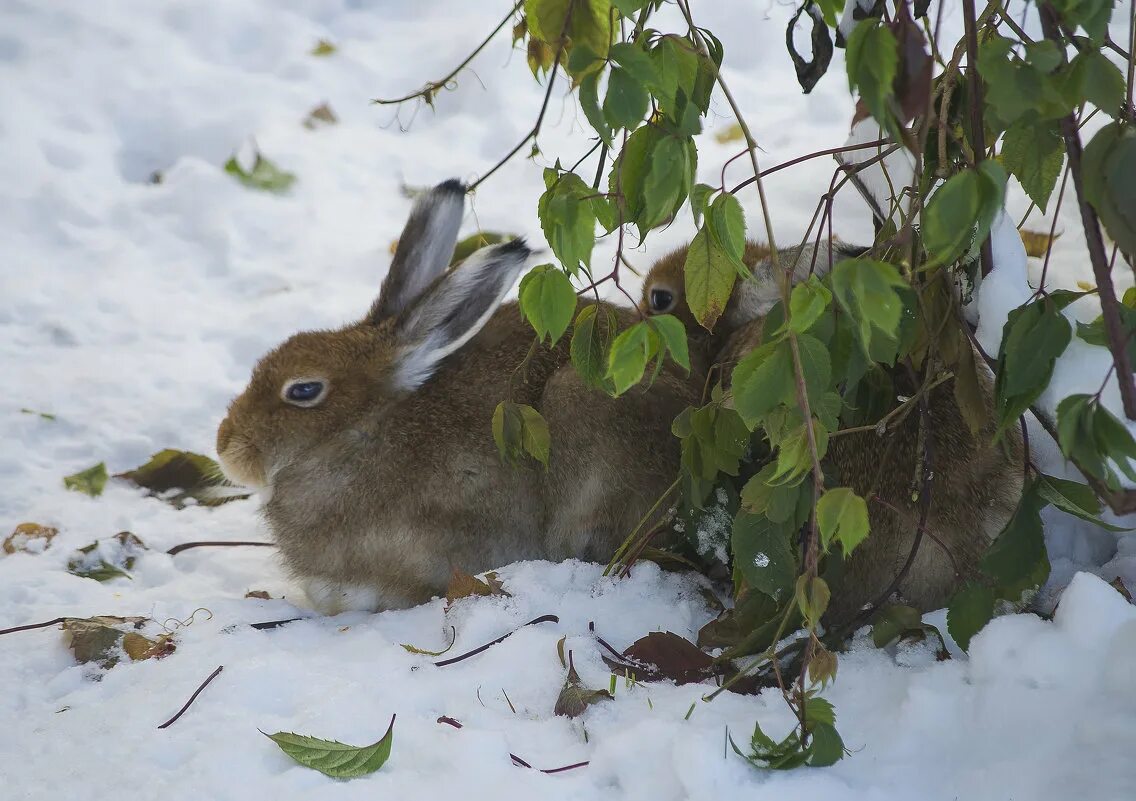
<point x="976" y="484"/>
<point x="374" y="441"/>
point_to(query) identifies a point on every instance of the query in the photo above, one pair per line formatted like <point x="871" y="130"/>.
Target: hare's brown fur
<point x="392" y="478"/>
<point x="975" y="487"/>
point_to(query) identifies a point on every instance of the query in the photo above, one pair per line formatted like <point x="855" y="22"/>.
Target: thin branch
<point x="1113" y="326"/>
<point x="427" y="92"/>
<point x="193" y="697"/>
<point x="532" y="134"/>
<point x="32" y="626"/>
<point x="832" y="151"/>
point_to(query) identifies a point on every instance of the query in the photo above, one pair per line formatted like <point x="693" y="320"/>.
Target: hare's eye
<point x="661" y="300"/>
<point x="304" y="392"/>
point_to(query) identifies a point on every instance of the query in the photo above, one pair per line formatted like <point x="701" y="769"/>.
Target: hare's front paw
<point x="331" y="597"/>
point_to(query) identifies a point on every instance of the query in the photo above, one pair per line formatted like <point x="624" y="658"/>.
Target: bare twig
<point x="33" y="626"/>
<point x="427" y="92"/>
<point x="193" y="697"/>
<point x="832" y="151"/>
<point x="454" y="659"/>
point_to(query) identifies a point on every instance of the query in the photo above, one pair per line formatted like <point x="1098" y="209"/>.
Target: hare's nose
<point x="224" y="434"/>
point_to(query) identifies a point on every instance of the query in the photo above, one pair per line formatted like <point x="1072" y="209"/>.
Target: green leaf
<point x="591" y="340"/>
<point x="179" y="476"/>
<point x="709" y="277"/>
<point x="1017" y="560"/>
<point x="894" y="621"/>
<point x="663" y="187"/>
<point x="962" y="210"/>
<point x="589" y="102"/>
<point x="626" y="102"/>
<point x="807" y="304"/>
<point x="842" y="516"/>
<point x="1098" y="80"/>
<point x="627" y="360"/>
<point x="333" y="758"/>
<point x="672" y="334"/>
<point x="1034" y="152"/>
<point x="866" y="289"/>
<point x="568" y="219"/>
<point x="629" y="8"/>
<point x="1016" y="89"/>
<point x="726" y="222"/>
<point x="1033" y="337"/>
<point x="1109" y="174"/>
<point x="108" y="558"/>
<point x="1091" y="15"/>
<point x="826" y="746"/>
<point x="323" y="48"/>
<point x="519" y="429"/>
<point x="812" y="595"/>
<point x="698" y="197"/>
<point x="1074" y="498"/>
<point x="970" y="609"/>
<point x="762" y="554"/>
<point x="548" y="301"/>
<point x="589" y="24"/>
<point x="637" y="63"/>
<point x="575" y="698"/>
<point x="91" y="481"/>
<point x="762" y="379"/>
<point x="264" y="175"/>
<point x="872" y="61"/>
<point x="816" y="365"/>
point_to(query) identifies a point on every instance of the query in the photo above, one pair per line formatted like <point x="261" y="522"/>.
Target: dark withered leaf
<point x="179" y="477"/>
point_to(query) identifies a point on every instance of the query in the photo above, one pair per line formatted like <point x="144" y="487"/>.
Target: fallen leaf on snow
<point x="320" y="115"/>
<point x="103" y="640"/>
<point x="30" y="537"/>
<point x="261" y="594"/>
<point x="333" y="758"/>
<point x="574" y="697"/>
<point x="105" y="559"/>
<point x="178" y="476"/>
<point x="91" y="481"/>
<point x="463" y="585"/>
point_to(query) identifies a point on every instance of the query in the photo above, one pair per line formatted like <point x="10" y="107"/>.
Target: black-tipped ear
<point x="424" y="250"/>
<point x="454" y="308"/>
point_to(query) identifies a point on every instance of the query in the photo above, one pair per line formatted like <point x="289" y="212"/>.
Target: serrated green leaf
<point x="1034" y="152"/>
<point x="534" y="434"/>
<point x="842" y="516"/>
<point x="548" y="301"/>
<point x="626" y="101"/>
<point x="812" y="595"/>
<point x="568" y="219"/>
<point x="1109" y="174"/>
<point x="1074" y="498"/>
<point x="1017" y="560"/>
<point x="589" y="102"/>
<point x="866" y="289"/>
<point x="664" y="183"/>
<point x="826" y="746"/>
<point x="763" y="555"/>
<point x="893" y="621"/>
<point x="629" y="354"/>
<point x="709" y="278"/>
<point x="969" y="611"/>
<point x="592" y="336"/>
<point x="698" y="197"/>
<point x="807" y="304"/>
<point x="588" y="26"/>
<point x="962" y="210"/>
<point x="1099" y="81"/>
<point x="726" y="223"/>
<point x="761" y="380"/>
<point x="91" y="481"/>
<point x="333" y="758"/>
<point x="1033" y="337"/>
<point x="672" y="335"/>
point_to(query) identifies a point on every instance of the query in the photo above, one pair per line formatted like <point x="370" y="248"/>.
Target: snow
<point x="133" y="311"/>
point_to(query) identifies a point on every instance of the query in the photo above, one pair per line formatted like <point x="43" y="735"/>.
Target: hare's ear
<point x="424" y="250"/>
<point x="449" y="312"/>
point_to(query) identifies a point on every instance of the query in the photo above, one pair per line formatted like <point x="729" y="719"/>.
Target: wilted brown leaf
<point x="575" y="698"/>
<point x="177" y="476"/>
<point x="104" y="639"/>
<point x="1118" y="585"/>
<point x="664" y="654"/>
<point x="25" y="535"/>
<point x="913" y="78"/>
<point x="1037" y="243"/>
<point x="320" y="115"/>
<point x="463" y="585"/>
<point x="261" y="594"/>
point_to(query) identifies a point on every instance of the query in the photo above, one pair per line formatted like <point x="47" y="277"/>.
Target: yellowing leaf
<point x="1038" y="243"/>
<point x="323" y="48"/>
<point x="732" y="134"/>
<point x="104" y="640"/>
<point x="179" y="477"/>
<point x="29" y="537"/>
<point x="336" y="759"/>
<point x="463" y="585"/>
<point x="264" y="175"/>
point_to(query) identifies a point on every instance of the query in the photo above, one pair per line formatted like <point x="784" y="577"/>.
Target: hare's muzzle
<point x="239" y="458"/>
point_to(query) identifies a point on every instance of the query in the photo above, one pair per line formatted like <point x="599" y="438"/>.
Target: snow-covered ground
<point x="132" y="311"/>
